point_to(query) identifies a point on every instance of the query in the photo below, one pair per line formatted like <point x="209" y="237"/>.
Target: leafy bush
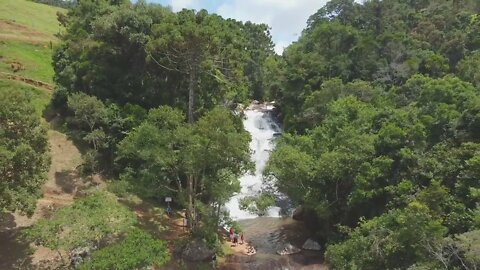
<point x="90" y="162"/>
<point x="378" y="243"/>
<point x="24" y="159"/>
<point x="121" y="188"/>
<point x="257" y="204"/>
<point x="138" y="249"/>
<point x="85" y="222"/>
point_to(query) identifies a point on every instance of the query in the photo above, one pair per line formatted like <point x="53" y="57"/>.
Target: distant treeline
<point x="57" y="3"/>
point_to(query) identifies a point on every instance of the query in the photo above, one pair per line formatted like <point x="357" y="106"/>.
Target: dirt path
<point x="64" y="181"/>
<point x="63" y="178"/>
<point x="35" y="83"/>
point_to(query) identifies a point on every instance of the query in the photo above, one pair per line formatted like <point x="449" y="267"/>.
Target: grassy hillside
<point x="40" y="98"/>
<point x="27" y="33"/>
<point x="39" y="18"/>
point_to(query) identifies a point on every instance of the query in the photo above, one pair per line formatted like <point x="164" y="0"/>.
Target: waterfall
<point x="263" y="129"/>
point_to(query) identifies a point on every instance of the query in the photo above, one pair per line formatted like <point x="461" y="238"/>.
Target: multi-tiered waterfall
<point x="263" y="130"/>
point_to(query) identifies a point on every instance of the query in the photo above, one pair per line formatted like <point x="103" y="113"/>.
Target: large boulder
<point x="288" y="250"/>
<point x="197" y="250"/>
<point x="298" y="213"/>
<point x="311" y="245"/>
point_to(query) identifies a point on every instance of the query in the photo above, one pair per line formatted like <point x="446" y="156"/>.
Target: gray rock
<point x="311" y="245"/>
<point x="298" y="213"/>
<point x="80" y="255"/>
<point x="197" y="250"/>
<point x="288" y="250"/>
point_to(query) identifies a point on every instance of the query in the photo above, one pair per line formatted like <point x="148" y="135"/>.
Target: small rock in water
<point x="288" y="249"/>
<point x="311" y="245"/>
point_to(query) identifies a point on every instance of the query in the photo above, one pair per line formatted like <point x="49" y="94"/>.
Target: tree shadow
<point x="66" y="180"/>
<point x="150" y="218"/>
<point x="14" y="251"/>
<point x="71" y="182"/>
<point x="59" y="124"/>
<point x="7" y="222"/>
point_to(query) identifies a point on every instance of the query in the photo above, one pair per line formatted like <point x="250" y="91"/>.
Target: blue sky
<point x="287" y="18"/>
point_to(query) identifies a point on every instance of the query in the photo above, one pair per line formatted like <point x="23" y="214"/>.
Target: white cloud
<point x="287" y="18"/>
<point x="178" y="5"/>
<point x="280" y="46"/>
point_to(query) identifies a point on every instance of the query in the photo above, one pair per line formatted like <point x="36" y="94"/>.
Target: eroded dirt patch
<point x="63" y="185"/>
<point x="10" y="30"/>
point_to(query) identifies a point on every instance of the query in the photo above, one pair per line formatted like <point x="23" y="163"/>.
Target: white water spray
<point x="263" y="130"/>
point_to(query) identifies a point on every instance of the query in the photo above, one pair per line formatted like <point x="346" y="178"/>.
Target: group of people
<point x="234" y="237"/>
<point x="251" y="250"/>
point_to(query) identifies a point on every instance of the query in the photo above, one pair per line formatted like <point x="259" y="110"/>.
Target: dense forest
<point x="151" y="95"/>
<point x="381" y="101"/>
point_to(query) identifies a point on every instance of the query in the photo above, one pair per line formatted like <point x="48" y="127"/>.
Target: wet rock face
<point x="311" y="245"/>
<point x="197" y="250"/>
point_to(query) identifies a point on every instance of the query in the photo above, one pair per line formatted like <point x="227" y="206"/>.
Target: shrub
<point x="137" y="250"/>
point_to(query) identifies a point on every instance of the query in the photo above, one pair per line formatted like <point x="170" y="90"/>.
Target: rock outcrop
<point x="298" y="213"/>
<point x="288" y="250"/>
<point x="311" y="245"/>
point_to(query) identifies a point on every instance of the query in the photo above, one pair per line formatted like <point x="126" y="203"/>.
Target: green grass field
<point x="27" y="33"/>
<point x="40" y="98"/>
<point x="39" y="17"/>
<point x="35" y="60"/>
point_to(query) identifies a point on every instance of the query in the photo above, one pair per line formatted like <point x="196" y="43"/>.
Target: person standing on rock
<point x="235" y="239"/>
<point x="232" y="232"/>
<point x="214" y="260"/>
<point x="241" y="238"/>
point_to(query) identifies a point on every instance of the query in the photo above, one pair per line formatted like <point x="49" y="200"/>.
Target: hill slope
<point x="27" y="35"/>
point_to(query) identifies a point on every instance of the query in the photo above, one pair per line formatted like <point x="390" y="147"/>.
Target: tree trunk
<point x="190" y="202"/>
<point x="218" y="213"/>
<point x="191" y="89"/>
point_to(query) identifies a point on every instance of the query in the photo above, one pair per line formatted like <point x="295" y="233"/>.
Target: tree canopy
<point x="379" y="101"/>
<point x="24" y="159"/>
<point x="197" y="164"/>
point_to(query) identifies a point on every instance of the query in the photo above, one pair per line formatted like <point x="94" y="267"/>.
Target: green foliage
<point x="195" y="163"/>
<point x="84" y="223"/>
<point x="121" y="188"/>
<point x="257" y="204"/>
<point x="147" y="55"/>
<point x="468" y="68"/>
<point x="38" y="98"/>
<point x="136" y="251"/>
<point x="380" y="242"/>
<point x="468" y="245"/>
<point x="90" y="162"/>
<point x="24" y="159"/>
<point x="88" y="110"/>
<point x="382" y="42"/>
<point x="380" y="102"/>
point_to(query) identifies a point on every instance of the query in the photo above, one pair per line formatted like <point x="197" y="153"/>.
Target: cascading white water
<point x="263" y="130"/>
